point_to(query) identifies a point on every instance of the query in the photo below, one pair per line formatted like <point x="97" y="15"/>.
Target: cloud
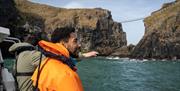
<point x="74" y="5"/>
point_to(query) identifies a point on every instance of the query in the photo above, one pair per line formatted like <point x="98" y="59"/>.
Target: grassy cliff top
<point x="58" y="17"/>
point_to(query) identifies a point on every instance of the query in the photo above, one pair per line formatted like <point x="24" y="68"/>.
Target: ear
<point x="64" y="43"/>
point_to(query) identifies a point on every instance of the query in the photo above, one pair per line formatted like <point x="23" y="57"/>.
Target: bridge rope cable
<point x="132" y="20"/>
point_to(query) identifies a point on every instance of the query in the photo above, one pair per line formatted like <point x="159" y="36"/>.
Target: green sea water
<point x="8" y="63"/>
<point x="114" y="74"/>
<point x="107" y="74"/>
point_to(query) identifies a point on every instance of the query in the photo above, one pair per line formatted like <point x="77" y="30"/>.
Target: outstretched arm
<point x="89" y="54"/>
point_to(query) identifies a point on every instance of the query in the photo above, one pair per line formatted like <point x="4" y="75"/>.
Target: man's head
<point x="34" y="38"/>
<point x="68" y="37"/>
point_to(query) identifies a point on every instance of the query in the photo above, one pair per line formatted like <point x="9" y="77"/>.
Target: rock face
<point x="124" y="51"/>
<point x="96" y="28"/>
<point x="162" y="34"/>
<point x="8" y="12"/>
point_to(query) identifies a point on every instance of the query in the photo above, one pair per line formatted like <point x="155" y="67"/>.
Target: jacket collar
<point x="55" y="48"/>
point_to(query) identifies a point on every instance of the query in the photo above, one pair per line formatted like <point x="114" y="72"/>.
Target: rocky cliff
<point x="96" y="28"/>
<point x="124" y="51"/>
<point x="8" y="12"/>
<point x="162" y="34"/>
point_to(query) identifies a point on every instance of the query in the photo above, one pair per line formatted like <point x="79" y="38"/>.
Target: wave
<point x="112" y="58"/>
<point x="139" y="60"/>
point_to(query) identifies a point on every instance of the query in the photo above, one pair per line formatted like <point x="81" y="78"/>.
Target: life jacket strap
<point x="24" y="73"/>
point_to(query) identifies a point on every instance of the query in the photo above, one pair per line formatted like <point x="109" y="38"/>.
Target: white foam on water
<point x="112" y="58"/>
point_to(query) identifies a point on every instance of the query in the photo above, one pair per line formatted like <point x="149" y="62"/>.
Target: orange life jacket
<point x="55" y="75"/>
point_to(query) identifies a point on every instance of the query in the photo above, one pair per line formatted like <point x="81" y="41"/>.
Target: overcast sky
<point x="121" y="10"/>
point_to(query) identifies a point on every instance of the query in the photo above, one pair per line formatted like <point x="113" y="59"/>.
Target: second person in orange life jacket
<point x="58" y="72"/>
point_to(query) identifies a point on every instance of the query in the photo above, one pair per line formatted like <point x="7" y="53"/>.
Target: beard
<point x="75" y="54"/>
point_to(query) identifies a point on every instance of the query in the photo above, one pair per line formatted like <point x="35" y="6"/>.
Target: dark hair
<point x="61" y="34"/>
<point x="36" y="37"/>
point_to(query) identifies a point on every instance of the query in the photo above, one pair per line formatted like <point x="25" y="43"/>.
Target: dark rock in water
<point x="124" y="51"/>
<point x="162" y="34"/>
<point x="96" y="28"/>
